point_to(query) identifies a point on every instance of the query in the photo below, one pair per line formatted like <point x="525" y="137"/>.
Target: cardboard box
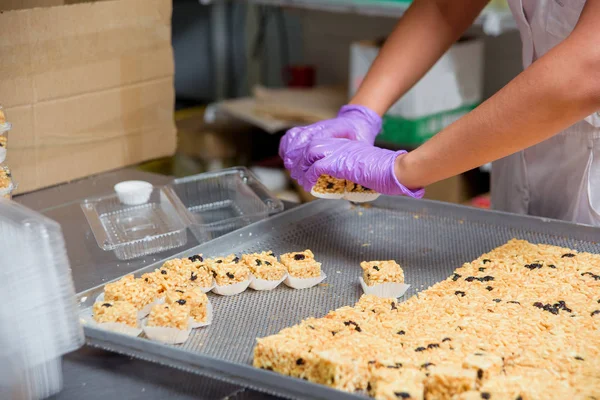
<point x="87" y="85"/>
<point x="452" y="88"/>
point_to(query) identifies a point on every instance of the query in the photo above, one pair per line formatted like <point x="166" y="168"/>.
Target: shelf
<point x="493" y="22"/>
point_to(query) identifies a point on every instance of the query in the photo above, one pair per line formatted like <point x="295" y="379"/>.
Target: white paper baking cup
<point x="166" y="335"/>
<point x="86" y="318"/>
<point x="264" y="284"/>
<point x="361" y="197"/>
<point x="143" y="313"/>
<point x="231" y="290"/>
<point x="209" y="318"/>
<point x="304" y="283"/>
<point x="328" y="196"/>
<point x="209" y="288"/>
<point x="133" y="193"/>
<point x="386" y="290"/>
<point x="2" y="154"/>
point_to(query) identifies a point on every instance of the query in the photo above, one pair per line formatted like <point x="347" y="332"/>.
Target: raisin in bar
<point x="115" y="311"/>
<point x="301" y="264"/>
<point x="352" y="187"/>
<point x="192" y="297"/>
<point x="327" y="184"/>
<point x="170" y="316"/>
<point x="264" y="265"/>
<point x="376" y="272"/>
<point x="229" y="273"/>
<point x="131" y="290"/>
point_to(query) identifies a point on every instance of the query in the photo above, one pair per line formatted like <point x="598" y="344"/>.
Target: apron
<point x="560" y="177"/>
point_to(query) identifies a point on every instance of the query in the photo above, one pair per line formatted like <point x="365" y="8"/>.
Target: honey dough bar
<point x="376" y="272"/>
<point x="5" y="178"/>
<point x="164" y="279"/>
<point x="301" y="264"/>
<point x="229" y="273"/>
<point x="192" y="270"/>
<point x="115" y="311"/>
<point x="327" y="184"/>
<point x="264" y="265"/>
<point x="393" y="384"/>
<point x="192" y="297"/>
<point x="518" y="321"/>
<point x="352" y="187"/>
<point x="131" y="290"/>
<point x="170" y="316"/>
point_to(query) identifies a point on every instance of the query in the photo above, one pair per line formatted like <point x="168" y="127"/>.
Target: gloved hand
<point x="352" y="122"/>
<point x="357" y="162"/>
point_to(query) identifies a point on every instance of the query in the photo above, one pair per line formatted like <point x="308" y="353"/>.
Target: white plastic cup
<point x="134" y="193"/>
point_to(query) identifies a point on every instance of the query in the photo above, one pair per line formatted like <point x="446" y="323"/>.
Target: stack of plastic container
<point x="38" y="317"/>
<point x="7" y="185"/>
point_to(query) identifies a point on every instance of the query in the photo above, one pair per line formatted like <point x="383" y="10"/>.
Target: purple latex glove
<point x="352" y="122"/>
<point x="357" y="162"/>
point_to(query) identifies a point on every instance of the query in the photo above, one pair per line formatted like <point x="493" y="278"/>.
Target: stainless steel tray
<point x="428" y="239"/>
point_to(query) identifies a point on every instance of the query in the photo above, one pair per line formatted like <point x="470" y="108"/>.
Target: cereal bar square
<point x="376" y="272"/>
<point x="446" y="381"/>
<point x="264" y="266"/>
<point x="229" y="273"/>
<point x="193" y="297"/>
<point x="115" y="311"/>
<point x="330" y="185"/>
<point x="301" y="264"/>
<point x="170" y="316"/>
<point x="131" y="290"/>
<point x="393" y="384"/>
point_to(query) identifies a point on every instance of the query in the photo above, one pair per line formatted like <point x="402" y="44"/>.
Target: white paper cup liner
<point x="386" y="290"/>
<point x="304" y="283"/>
<point x="209" y="288"/>
<point x="361" y="197"/>
<point x="133" y="193"/>
<point x="328" y="196"/>
<point x="86" y="318"/>
<point x="264" y="284"/>
<point x="165" y="335"/>
<point x="2" y="154"/>
<point x="209" y="318"/>
<point x="231" y="290"/>
<point x="143" y="313"/>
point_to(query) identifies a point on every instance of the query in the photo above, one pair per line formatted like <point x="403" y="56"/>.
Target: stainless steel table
<point x="96" y="374"/>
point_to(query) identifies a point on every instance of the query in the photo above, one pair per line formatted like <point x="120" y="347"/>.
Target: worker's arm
<point x="558" y="90"/>
<point x="422" y="36"/>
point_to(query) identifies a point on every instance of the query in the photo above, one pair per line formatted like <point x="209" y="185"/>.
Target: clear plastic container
<point x="224" y="201"/>
<point x="38" y="311"/>
<point x="134" y="231"/>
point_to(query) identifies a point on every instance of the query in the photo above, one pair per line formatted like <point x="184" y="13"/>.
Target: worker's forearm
<point x="422" y="36"/>
<point x="558" y="90"/>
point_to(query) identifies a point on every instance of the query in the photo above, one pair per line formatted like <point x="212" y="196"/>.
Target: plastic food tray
<point x="428" y="239"/>
<point x="134" y="231"/>
<point x="225" y="201"/>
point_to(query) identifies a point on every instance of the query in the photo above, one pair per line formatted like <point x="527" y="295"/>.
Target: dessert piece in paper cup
<point x="168" y="323"/>
<point x="117" y="316"/>
<point x="387" y="290"/>
<point x="209" y="318"/>
<point x="200" y="308"/>
<point x="208" y="288"/>
<point x="233" y="289"/>
<point x="328" y="187"/>
<point x="264" y="284"/>
<point x="359" y="194"/>
<point x="140" y="313"/>
<point x="304" y="283"/>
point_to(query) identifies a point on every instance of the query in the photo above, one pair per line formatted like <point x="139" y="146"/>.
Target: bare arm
<point x="422" y="36"/>
<point x="558" y="90"/>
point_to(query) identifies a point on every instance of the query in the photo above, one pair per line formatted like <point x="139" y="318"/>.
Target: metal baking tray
<point x="224" y="201"/>
<point x="428" y="239"/>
